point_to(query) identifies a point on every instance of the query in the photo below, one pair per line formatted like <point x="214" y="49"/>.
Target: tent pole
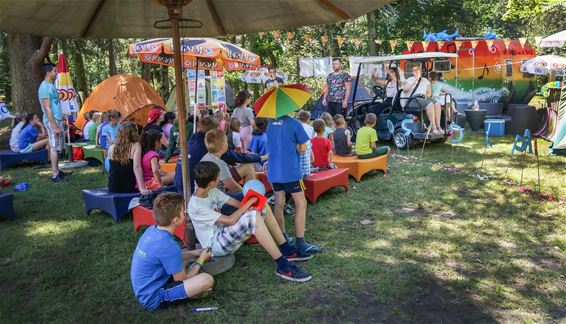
<point x="195" y="106"/>
<point x="174" y="9"/>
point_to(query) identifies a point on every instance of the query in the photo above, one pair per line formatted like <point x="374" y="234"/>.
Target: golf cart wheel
<point x="440" y="140"/>
<point x="401" y="141"/>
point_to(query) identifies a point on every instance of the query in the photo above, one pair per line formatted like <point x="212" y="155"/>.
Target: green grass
<point x="420" y="244"/>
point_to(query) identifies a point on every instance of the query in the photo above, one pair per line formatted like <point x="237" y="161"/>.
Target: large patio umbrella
<point x="211" y="54"/>
<point x="144" y="18"/>
<point x="554" y="40"/>
<point x="544" y="65"/>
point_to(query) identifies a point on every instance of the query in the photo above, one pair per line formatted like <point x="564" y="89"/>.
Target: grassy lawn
<point x="420" y="244"/>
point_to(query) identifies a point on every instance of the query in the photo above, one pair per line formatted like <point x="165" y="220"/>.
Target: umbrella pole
<point x="174" y="9"/>
<point x="195" y="105"/>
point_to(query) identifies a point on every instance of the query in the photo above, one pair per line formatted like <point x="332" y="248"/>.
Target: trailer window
<point x="525" y="74"/>
<point x="441" y="66"/>
<point x="508" y="67"/>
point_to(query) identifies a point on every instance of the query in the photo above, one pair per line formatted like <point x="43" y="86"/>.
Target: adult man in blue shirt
<point x="286" y="137"/>
<point x="52" y="117"/>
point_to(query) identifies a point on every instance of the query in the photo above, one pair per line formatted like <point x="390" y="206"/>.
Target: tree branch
<point x="43" y="51"/>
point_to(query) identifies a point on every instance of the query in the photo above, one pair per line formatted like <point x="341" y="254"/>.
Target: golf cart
<point x="369" y="68"/>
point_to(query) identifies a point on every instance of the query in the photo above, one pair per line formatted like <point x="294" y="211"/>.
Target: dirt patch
<point x="429" y="302"/>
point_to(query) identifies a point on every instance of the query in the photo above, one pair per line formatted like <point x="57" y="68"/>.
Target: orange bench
<point x="359" y="167"/>
<point x="318" y="183"/>
<point x="168" y="167"/>
<point x="144" y="217"/>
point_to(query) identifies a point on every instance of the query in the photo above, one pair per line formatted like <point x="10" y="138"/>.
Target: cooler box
<point x="497" y="127"/>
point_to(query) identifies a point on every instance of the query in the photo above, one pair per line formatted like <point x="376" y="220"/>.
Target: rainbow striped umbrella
<point x="282" y="100"/>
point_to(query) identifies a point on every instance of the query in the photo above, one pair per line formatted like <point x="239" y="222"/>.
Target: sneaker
<point x="289" y="210"/>
<point x="271" y="200"/>
<point x="294" y="256"/>
<point x="294" y="273"/>
<point x="309" y="249"/>
<point x="64" y="174"/>
<point x="56" y="179"/>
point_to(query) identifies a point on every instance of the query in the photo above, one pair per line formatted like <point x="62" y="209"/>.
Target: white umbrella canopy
<point x="554" y="40"/>
<point x="545" y="64"/>
<point x="260" y="75"/>
<point x="136" y="18"/>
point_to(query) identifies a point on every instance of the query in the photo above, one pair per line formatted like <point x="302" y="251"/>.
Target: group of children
<point x="223" y="153"/>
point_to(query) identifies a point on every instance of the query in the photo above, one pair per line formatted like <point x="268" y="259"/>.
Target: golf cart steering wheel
<point x="379" y="92"/>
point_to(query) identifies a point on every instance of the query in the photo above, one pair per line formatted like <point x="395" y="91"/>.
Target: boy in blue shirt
<point x="285" y="139"/>
<point x="158" y="276"/>
<point x="110" y="131"/>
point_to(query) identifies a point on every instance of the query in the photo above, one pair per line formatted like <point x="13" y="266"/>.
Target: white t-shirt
<point x="224" y="170"/>
<point x="309" y="130"/>
<point x="15" y="136"/>
<point x="85" y="129"/>
<point x="236" y="140"/>
<point x="245" y="115"/>
<point x="421" y="89"/>
<point x="204" y="212"/>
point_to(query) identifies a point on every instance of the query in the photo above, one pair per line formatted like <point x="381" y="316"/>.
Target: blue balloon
<point x="254" y="185"/>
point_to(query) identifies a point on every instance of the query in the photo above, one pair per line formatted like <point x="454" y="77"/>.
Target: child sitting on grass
<point x="366" y="147"/>
<point x="342" y="137"/>
<point x="224" y="234"/>
<point x="321" y="146"/>
<point x="158" y="276"/>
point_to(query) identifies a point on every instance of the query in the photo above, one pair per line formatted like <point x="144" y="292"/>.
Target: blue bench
<point x="115" y="204"/>
<point x="7" y="205"/>
<point x="8" y="157"/>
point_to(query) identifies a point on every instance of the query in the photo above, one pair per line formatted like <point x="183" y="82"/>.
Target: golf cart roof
<point x="425" y="55"/>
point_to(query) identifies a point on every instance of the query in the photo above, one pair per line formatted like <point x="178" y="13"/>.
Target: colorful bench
<point x="168" y="167"/>
<point x="93" y="152"/>
<point x="261" y="176"/>
<point x="359" y="167"/>
<point x="7" y="205"/>
<point x="318" y="183"/>
<point x="115" y="204"/>
<point x="143" y="217"/>
<point x="8" y="157"/>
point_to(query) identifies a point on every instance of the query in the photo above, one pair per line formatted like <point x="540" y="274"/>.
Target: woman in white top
<point x="246" y="117"/>
<point x="419" y="87"/>
<point x="392" y="84"/>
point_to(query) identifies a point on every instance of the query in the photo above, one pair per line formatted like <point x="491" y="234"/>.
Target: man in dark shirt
<point x="274" y="80"/>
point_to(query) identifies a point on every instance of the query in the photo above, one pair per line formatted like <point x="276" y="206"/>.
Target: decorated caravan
<point x="488" y="70"/>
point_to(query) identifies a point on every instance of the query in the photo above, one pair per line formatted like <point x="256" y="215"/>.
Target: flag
<point x="458" y="44"/>
<point x="474" y="43"/>
<point x="276" y="34"/>
<point x="340" y="41"/>
<point x="489" y="43"/>
<point x="324" y="39"/>
<point x="409" y="44"/>
<point x="378" y="41"/>
<point x="439" y="43"/>
<point x="290" y="36"/>
<point x="538" y="39"/>
<point x="507" y="42"/>
<point x="307" y="37"/>
<point x="523" y="41"/>
<point x="393" y="44"/>
<point x="357" y="42"/>
<point x="425" y="45"/>
<point x="64" y="85"/>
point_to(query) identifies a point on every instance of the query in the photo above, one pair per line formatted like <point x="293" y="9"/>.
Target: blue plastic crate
<point x="497" y="128"/>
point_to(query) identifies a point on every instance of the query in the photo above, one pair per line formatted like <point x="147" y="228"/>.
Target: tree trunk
<point x="77" y="56"/>
<point x="146" y="72"/>
<point x="164" y="87"/>
<point x="331" y="47"/>
<point x="112" y="58"/>
<point x="372" y="34"/>
<point x="26" y="57"/>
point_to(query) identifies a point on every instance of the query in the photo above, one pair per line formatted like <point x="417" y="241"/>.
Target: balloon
<point x="254" y="185"/>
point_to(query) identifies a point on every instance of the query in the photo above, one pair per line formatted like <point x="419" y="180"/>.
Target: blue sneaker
<point x="56" y="179"/>
<point x="293" y="273"/>
<point x="308" y="248"/>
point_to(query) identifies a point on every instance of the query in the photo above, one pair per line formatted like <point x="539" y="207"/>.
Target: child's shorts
<point x="228" y="239"/>
<point x="172" y="293"/>
<point x="289" y="187"/>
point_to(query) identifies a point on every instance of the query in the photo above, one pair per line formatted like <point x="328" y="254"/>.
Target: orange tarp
<point x="130" y="95"/>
